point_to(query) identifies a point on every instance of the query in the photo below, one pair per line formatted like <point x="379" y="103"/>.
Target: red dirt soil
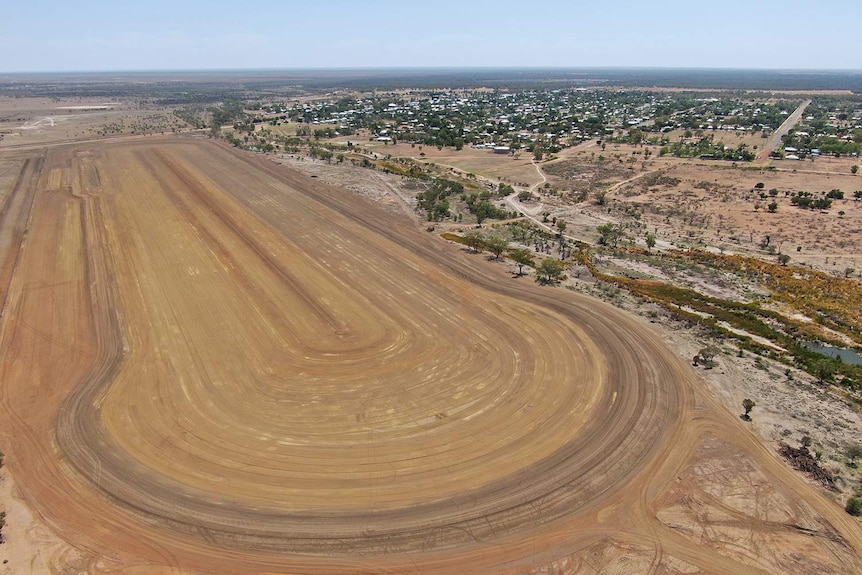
<point x="211" y="363"/>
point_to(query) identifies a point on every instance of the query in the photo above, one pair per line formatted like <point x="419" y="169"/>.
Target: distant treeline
<point x="525" y="78"/>
<point x="197" y="86"/>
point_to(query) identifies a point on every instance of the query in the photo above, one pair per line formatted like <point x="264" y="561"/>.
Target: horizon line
<point x="431" y="68"/>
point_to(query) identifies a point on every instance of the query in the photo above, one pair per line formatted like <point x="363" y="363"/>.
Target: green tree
<point x="706" y="357"/>
<point x="854" y="506"/>
<point x="783" y="259"/>
<point x="522" y="257"/>
<point x="474" y="241"/>
<point x="504" y="189"/>
<point x="650" y="241"/>
<point x="854" y="169"/>
<point x="561" y="226"/>
<point x="747" y="405"/>
<point x="440" y="210"/>
<point x="636" y="136"/>
<point x="496" y="245"/>
<point x="773" y="207"/>
<point x="550" y="271"/>
<point x="609" y="234"/>
<point x="822" y="203"/>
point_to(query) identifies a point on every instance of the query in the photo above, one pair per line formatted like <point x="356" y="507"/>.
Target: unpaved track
<point x="211" y="362"/>
<point x="14" y="213"/>
<point x="788" y="124"/>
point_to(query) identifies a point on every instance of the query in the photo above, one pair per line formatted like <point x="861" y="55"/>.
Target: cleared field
<point x="482" y="162"/>
<point x="214" y="364"/>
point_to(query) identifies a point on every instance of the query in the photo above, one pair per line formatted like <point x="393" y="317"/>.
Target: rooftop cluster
<point x="832" y="125"/>
<point x="487" y="118"/>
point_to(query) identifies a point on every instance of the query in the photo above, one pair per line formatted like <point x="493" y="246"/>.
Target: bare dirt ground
<point x="713" y="204"/>
<point x="212" y="363"/>
<point x="504" y="167"/>
<point x="42" y="121"/>
<point x="731" y="138"/>
<point x="691" y="203"/>
<point x="719" y="206"/>
<point x="31" y="546"/>
<point x="389" y="192"/>
<point x="788" y="408"/>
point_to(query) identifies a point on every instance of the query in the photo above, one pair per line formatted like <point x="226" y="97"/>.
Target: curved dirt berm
<point x="214" y="363"/>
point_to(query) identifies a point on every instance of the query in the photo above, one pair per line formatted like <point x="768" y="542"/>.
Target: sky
<point x="106" y="35"/>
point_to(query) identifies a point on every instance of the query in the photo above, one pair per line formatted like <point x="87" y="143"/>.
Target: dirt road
<point x="542" y="178"/>
<point x="215" y="364"/>
<point x="775" y="139"/>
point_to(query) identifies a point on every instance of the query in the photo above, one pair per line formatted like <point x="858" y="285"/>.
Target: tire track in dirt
<point x="446" y="418"/>
<point x="14" y="216"/>
<point x="573" y="475"/>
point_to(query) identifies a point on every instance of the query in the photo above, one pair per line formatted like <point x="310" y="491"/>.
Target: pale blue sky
<point x="95" y="35"/>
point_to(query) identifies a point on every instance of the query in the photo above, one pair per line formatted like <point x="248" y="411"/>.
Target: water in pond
<point x="846" y="355"/>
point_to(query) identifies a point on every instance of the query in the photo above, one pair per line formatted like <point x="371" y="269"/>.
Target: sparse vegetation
<point x="707" y="148"/>
<point x="705" y="357"/>
<point x="803" y="460"/>
<point x="747" y="405"/>
<point x="435" y="200"/>
<point x="854" y="452"/>
<point x="810" y="294"/>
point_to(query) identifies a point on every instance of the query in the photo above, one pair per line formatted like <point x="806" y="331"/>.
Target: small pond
<point x="846" y="355"/>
